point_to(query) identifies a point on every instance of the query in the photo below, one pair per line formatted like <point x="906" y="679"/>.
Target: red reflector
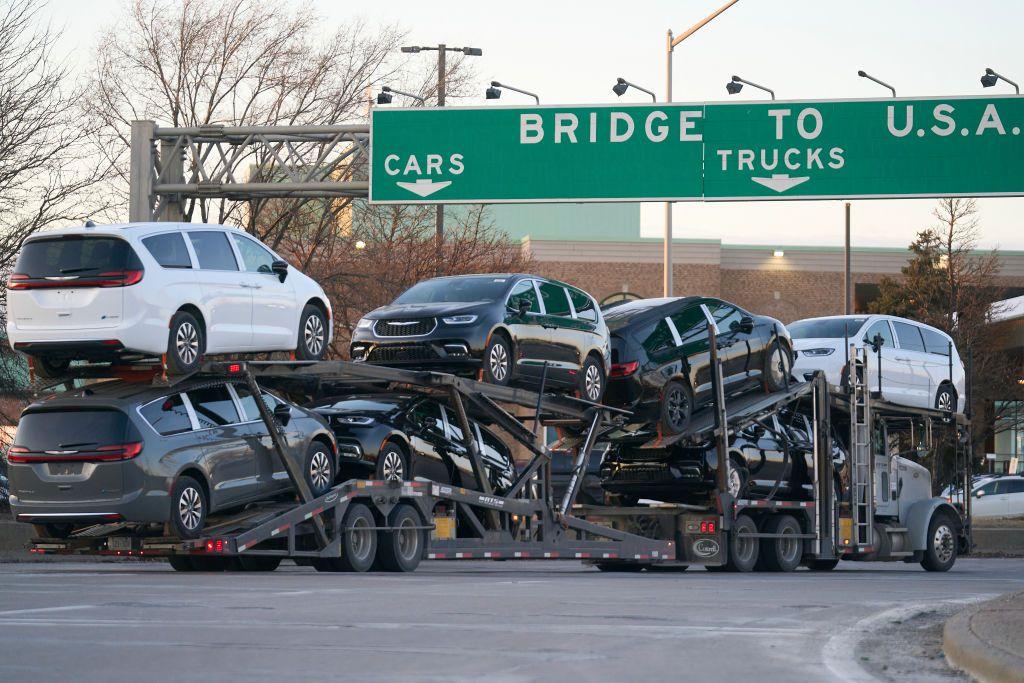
<point x="215" y="545"/>
<point x="624" y="369"/>
<point x="110" y="342"/>
<point x="707" y="527"/>
<point x="235" y="368"/>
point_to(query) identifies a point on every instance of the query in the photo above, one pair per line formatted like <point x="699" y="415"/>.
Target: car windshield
<point x="71" y="430"/>
<point x="75" y="255"/>
<point x="825" y="328"/>
<point x="455" y="290"/>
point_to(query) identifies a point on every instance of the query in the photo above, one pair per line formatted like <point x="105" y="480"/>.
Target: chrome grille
<point x="409" y="327"/>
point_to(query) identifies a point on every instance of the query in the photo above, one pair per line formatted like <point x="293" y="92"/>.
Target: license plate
<point x="119" y="543"/>
<point x="63" y="469"/>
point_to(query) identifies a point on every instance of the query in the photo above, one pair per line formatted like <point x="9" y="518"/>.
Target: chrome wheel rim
<point x="745" y="546"/>
<point x="498" y="361"/>
<point x="190" y="508"/>
<point x="778" y="366"/>
<point x="676" y="404"/>
<point x="320" y="470"/>
<point x="945" y="401"/>
<point x="788" y="545"/>
<point x="186" y="343"/>
<point x="360" y="538"/>
<point x="313" y="333"/>
<point x="592" y="382"/>
<point x="735" y="481"/>
<point x="408" y="543"/>
<point x="393" y="467"/>
<point x="943" y="543"/>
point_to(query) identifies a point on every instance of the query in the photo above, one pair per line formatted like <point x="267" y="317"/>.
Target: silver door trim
<point x="675" y="333"/>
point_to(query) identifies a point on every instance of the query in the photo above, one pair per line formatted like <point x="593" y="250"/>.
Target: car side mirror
<point x="283" y="414"/>
<point x="979" y="494"/>
<point x="876" y="343"/>
<point x="744" y="325"/>
<point x="280" y="268"/>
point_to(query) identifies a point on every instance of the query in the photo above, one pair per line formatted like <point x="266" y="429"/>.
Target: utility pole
<point x="847" y="281"/>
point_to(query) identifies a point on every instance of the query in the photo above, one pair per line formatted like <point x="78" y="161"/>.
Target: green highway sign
<point x="843" y="149"/>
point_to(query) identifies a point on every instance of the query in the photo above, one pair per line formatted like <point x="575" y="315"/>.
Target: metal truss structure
<point x="170" y="166"/>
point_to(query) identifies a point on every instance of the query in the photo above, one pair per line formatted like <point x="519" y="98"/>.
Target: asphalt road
<point x="499" y="621"/>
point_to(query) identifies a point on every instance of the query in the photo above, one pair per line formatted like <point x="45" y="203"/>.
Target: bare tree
<point x="47" y="172"/>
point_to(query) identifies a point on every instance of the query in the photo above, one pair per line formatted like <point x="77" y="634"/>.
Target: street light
<point x="671" y="45"/>
<point x="865" y="74"/>
<point x="385" y="95"/>
<point x="737" y="83"/>
<point x="991" y="78"/>
<point x="494" y="92"/>
<point x="442" y="73"/>
<point x="622" y="85"/>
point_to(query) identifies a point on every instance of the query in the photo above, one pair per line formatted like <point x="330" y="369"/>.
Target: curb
<point x="980" y="659"/>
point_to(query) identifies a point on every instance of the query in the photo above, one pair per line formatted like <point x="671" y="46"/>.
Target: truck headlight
<point x="459" y="320"/>
<point x="817" y="352"/>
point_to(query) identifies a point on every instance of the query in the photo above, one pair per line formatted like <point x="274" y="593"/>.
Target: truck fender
<point x="919" y="516"/>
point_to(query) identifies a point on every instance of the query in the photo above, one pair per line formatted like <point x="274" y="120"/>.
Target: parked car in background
<point x="661" y="362"/>
<point x="140" y="290"/>
<point x="506" y="326"/>
<point x="1001" y="497"/>
<point x="121" y="452"/>
<point x="774" y="458"/>
<point x="920" y="364"/>
<point x="402" y="436"/>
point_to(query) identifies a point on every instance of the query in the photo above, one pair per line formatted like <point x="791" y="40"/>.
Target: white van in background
<point x="920" y="364"/>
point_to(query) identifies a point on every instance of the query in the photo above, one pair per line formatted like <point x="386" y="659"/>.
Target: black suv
<point x="401" y="436"/>
<point x="661" y="359"/>
<point x="504" y="326"/>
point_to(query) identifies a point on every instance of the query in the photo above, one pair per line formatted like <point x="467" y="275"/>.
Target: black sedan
<point x="402" y="436"/>
<point x="504" y="327"/>
<point x="661" y="361"/>
<point x="774" y="458"/>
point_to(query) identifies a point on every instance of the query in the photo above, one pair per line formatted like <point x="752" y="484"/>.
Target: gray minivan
<point x="129" y="452"/>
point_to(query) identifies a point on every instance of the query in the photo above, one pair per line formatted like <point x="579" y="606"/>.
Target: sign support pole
<point x="667" y="248"/>
<point x="847" y="282"/>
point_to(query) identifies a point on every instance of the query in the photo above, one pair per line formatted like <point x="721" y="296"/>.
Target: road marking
<point x="34" y="610"/>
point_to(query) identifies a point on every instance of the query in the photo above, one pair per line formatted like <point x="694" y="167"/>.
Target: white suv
<point x="148" y="289"/>
<point x="920" y="364"/>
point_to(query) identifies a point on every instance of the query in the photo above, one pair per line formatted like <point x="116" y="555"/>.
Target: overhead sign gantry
<point x="879" y="148"/>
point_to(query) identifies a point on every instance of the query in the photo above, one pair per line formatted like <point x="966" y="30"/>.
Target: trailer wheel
<point x="781" y="554"/>
<point x="743" y="552"/>
<point x="822" y="565"/>
<point x="358" y="540"/>
<point x="259" y="563"/>
<point x="181" y="563"/>
<point x="402" y="549"/>
<point x="940" y="549"/>
<point x="619" y="566"/>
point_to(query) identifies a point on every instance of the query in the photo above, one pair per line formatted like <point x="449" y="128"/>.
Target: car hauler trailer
<point x="361" y="524"/>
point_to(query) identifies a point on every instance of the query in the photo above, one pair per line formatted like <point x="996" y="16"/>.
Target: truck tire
<point x="181" y="563"/>
<point x="358" y="541"/>
<point x="402" y="549"/>
<point x="629" y="567"/>
<point x="822" y="565"/>
<point x="259" y="563"/>
<point x="940" y="544"/>
<point x="743" y="552"/>
<point x="781" y="554"/>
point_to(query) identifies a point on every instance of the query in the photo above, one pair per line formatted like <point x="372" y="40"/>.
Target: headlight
<point x="817" y="352"/>
<point x="363" y="323"/>
<point x="354" y="420"/>
<point x="459" y="320"/>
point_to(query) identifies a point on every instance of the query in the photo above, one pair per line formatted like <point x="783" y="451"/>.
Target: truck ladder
<point x="861" y="460"/>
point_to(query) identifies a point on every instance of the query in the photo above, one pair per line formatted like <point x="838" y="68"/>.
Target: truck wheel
<point x="402" y="549"/>
<point x="259" y="563"/>
<point x="822" y="565"/>
<point x="619" y="567"/>
<point x="743" y="552"/>
<point x="181" y="563"/>
<point x="781" y="554"/>
<point x="940" y="551"/>
<point x="358" y="540"/>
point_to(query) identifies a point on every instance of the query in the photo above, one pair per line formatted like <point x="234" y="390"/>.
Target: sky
<point x="572" y="51"/>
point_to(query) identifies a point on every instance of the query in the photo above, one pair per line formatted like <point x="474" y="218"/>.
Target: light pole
<point x="991" y="78"/>
<point x="737" y="83"/>
<point x="622" y="85"/>
<point x="865" y="74"/>
<point x="442" y="52"/>
<point x="670" y="46"/>
<point x="494" y="92"/>
<point x="385" y="95"/>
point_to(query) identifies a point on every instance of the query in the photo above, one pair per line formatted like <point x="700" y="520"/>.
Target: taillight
<point x="624" y="369"/>
<point x="707" y="527"/>
<point x="110" y="278"/>
<point x="124" y="451"/>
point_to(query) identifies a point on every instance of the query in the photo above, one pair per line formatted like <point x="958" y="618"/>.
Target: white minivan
<point x="124" y="292"/>
<point x="920" y="364"/>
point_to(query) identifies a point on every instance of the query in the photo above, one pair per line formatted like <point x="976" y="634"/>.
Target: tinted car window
<point x="583" y="304"/>
<point x="167" y="416"/>
<point x="492" y="447"/>
<point x="72" y="429"/>
<point x="75" y="256"/>
<point x="169" y="250"/>
<point x="213" y="406"/>
<point x="427" y="414"/>
<point x="935" y="342"/>
<point x="1010" y="486"/>
<point x="250" y="411"/>
<point x="725" y="315"/>
<point x="455" y="290"/>
<point x="691" y="324"/>
<point x="880" y="327"/>
<point x="909" y="336"/>
<point x="656" y="337"/>
<point x="213" y="250"/>
<point x="524" y="291"/>
<point x="831" y="328"/>
<point x="555" y="300"/>
<point x="255" y="258"/>
<point x="988" y="489"/>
